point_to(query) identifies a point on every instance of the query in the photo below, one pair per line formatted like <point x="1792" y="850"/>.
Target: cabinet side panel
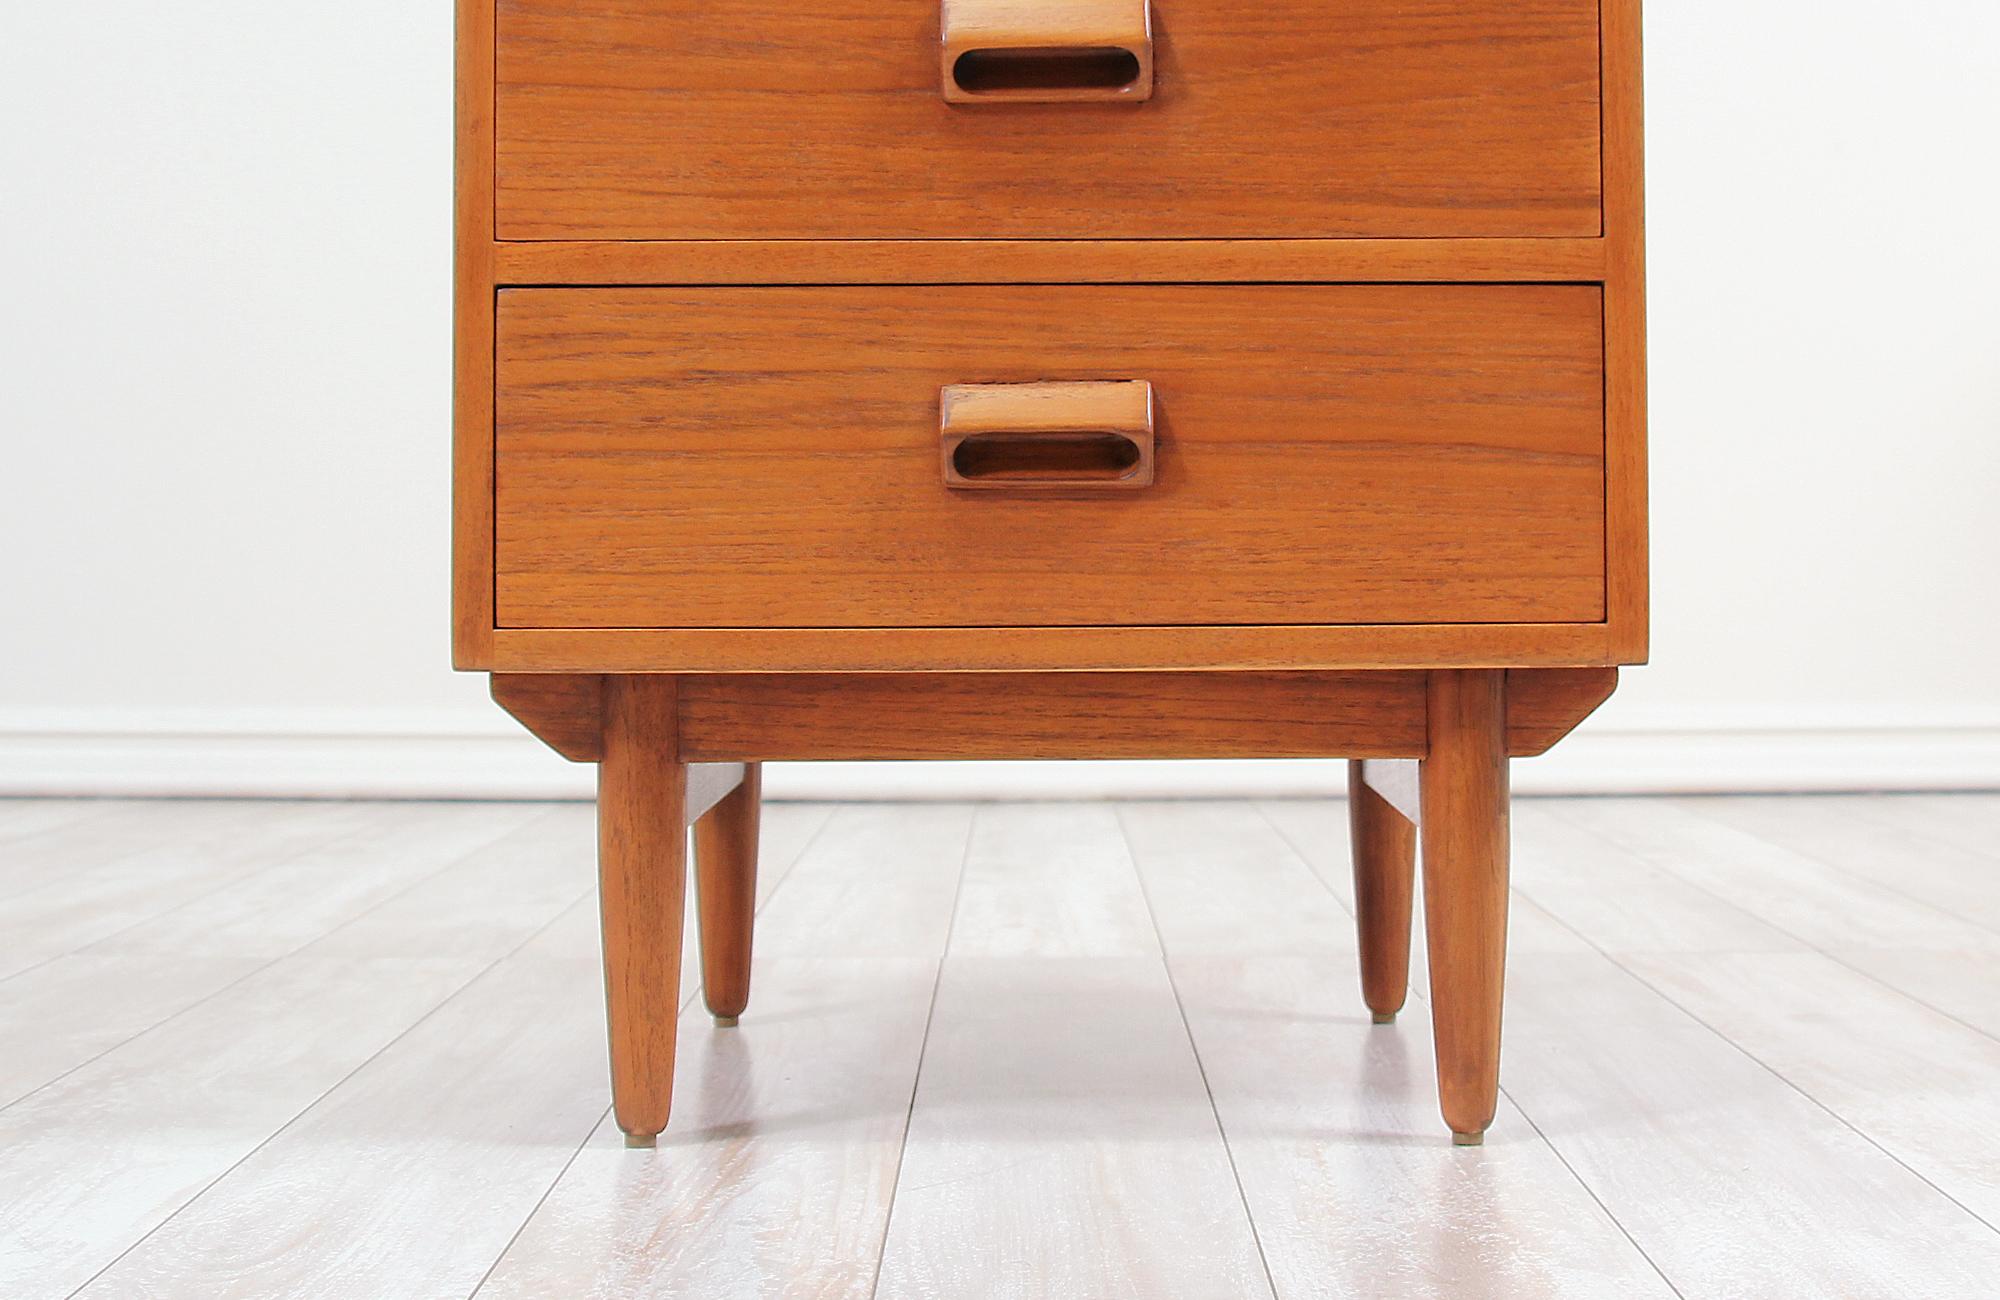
<point x="1625" y="334"/>
<point x="472" y="343"/>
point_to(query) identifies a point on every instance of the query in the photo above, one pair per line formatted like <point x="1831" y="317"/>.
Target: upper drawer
<point x="742" y="119"/>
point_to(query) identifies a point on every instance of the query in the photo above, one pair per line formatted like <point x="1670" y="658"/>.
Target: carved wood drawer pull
<point x="1047" y="437"/>
<point x="1047" y="51"/>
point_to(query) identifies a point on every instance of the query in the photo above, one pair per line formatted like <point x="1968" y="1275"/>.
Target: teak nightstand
<point x="888" y="379"/>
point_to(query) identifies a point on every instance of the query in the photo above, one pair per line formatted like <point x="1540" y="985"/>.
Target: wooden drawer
<point x="751" y="119"/>
<point x="1325" y="454"/>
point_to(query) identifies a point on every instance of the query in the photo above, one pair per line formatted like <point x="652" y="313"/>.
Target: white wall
<point x="226" y="328"/>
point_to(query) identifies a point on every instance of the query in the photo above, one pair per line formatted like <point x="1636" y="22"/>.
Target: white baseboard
<point x="311" y="760"/>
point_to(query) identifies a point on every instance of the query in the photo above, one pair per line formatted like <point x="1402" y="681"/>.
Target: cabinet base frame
<point x="681" y="752"/>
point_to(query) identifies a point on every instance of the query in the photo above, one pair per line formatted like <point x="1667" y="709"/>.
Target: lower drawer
<point x="1323" y="454"/>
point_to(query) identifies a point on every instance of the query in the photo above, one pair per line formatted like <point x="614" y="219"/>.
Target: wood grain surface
<point x="462" y="1124"/>
<point x="1628" y="577"/>
<point x="1718" y="1123"/>
<point x="1464" y="833"/>
<point x="779" y="1170"/>
<point x="565" y="711"/>
<point x="53" y="907"/>
<point x="725" y="862"/>
<point x="1546" y="704"/>
<point x="1326" y="455"/>
<point x="1730" y="1071"/>
<point x="741" y="718"/>
<point x="1047" y="51"/>
<point x="719" y="119"/>
<point x="540" y="37"/>
<point x="642" y="887"/>
<point x="1337" y="1149"/>
<point x="72" y="1009"/>
<point x="101" y="1156"/>
<point x="1061" y="437"/>
<point x="1060" y="1106"/>
<point x="472" y="339"/>
<point x="1384" y="848"/>
<point x="1048" y="649"/>
<point x="1052" y="715"/>
<point x="1050" y="261"/>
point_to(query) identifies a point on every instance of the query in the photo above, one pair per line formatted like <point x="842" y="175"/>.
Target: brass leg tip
<point x="726" y="1022"/>
<point x="1468" y="1139"/>
<point x="642" y="1141"/>
<point x="1385" y="1017"/>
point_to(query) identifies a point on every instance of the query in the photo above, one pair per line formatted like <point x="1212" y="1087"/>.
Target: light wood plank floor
<point x="1057" y="1050"/>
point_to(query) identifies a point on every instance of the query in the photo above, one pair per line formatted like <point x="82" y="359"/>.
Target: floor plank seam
<point x="1305" y="860"/>
<point x="1830" y="954"/>
<point x="687" y="1003"/>
<point x="318" y="846"/>
<point x="811" y="841"/>
<point x="1201" y="1067"/>
<point x="13" y="833"/>
<point x="1834" y="868"/>
<point x="314" y="1104"/>
<point x="917" y="1077"/>
<point x="1868" y="808"/>
<point x="1512" y="1100"/>
<point x="314" y="846"/>
<point x="202" y="1001"/>
<point x="11" y="890"/>
<point x="1591" y="1192"/>
<point x="698" y="988"/>
<point x="1764" y="1065"/>
<point x="1671" y="894"/>
<point x="500" y="1255"/>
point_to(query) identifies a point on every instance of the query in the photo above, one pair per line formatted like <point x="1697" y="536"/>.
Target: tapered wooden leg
<point x="1385" y="867"/>
<point x="1464" y="830"/>
<point x="642" y="881"/>
<point x="725" y="864"/>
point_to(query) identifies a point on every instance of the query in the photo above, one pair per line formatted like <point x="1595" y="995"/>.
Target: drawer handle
<point x="1047" y="51"/>
<point x="1047" y="437"/>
